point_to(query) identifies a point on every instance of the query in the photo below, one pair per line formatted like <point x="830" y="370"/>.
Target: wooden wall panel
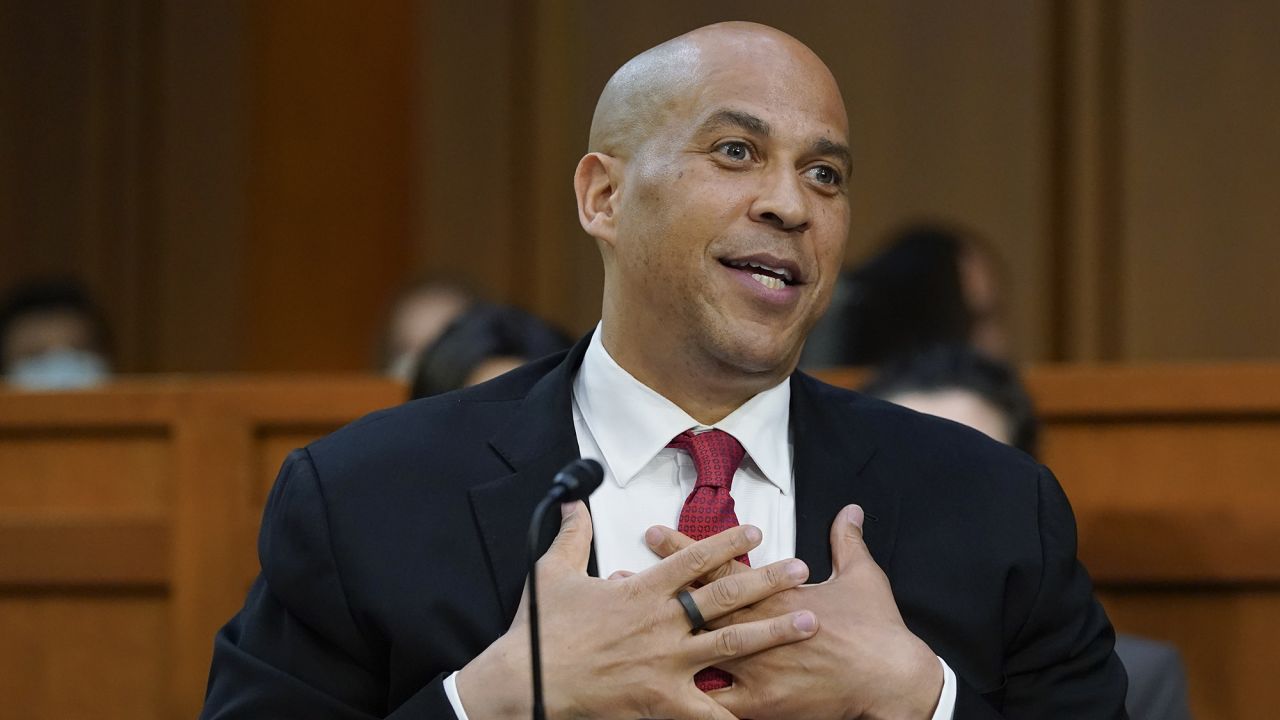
<point x="83" y="656"/>
<point x="1229" y="643"/>
<point x="1201" y="174"/>
<point x="1205" y="490"/>
<point x="331" y="179"/>
<point x="85" y="470"/>
<point x="127" y="518"/>
<point x="471" y="222"/>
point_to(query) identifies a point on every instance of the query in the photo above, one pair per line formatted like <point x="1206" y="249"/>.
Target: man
<point x="714" y="185"/>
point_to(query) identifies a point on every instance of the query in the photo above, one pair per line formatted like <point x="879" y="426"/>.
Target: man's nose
<point x="782" y="202"/>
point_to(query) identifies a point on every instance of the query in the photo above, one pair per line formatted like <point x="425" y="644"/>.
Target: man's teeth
<point x="772" y="283"/>
<point x="783" y="272"/>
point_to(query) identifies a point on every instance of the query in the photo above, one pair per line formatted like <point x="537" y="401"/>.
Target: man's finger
<point x="720" y="646"/>
<point x="736" y="699"/>
<point x="703" y="707"/>
<point x="665" y="542"/>
<point x="699" y="559"/>
<point x="749" y="587"/>
<point x="847" y="547"/>
<point x="572" y="545"/>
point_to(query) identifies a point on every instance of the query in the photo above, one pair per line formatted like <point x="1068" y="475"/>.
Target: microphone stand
<point x="535" y="647"/>
<point x="576" y="481"/>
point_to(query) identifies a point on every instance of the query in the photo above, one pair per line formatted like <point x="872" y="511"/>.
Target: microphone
<point x="575" y="481"/>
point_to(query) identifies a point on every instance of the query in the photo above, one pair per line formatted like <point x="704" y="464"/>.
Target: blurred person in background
<point x="930" y="285"/>
<point x="53" y="337"/>
<point x="419" y="314"/>
<point x="482" y="343"/>
<point x="956" y="383"/>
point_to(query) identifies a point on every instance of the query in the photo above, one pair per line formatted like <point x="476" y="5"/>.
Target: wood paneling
<point x="127" y="518"/>
<point x="1229" y="640"/>
<point x="120" y="470"/>
<point x="1201" y="175"/>
<point x="83" y="655"/>
<point x="99" y="549"/>
<point x="331" y="179"/>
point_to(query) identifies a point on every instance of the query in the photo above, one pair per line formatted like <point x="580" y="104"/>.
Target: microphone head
<point x="579" y="479"/>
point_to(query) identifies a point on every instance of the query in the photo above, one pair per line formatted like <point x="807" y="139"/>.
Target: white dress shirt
<point x="626" y="426"/>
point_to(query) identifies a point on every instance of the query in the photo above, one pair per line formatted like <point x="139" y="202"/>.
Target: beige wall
<point x="245" y="183"/>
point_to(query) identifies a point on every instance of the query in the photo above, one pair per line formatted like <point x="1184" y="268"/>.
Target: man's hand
<point x="623" y="648"/>
<point x="864" y="663"/>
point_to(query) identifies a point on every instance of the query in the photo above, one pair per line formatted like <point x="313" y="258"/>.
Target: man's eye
<point x="826" y="175"/>
<point x="735" y="150"/>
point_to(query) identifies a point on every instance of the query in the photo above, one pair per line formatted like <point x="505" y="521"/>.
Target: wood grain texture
<point x="127" y="522"/>
<point x="100" y="550"/>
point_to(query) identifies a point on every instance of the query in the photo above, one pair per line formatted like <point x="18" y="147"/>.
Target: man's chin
<point x="760" y="353"/>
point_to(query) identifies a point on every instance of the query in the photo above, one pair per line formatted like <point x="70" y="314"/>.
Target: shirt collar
<point x="631" y="423"/>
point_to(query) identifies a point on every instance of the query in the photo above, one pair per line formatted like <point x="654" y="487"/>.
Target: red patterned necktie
<point x="709" y="508"/>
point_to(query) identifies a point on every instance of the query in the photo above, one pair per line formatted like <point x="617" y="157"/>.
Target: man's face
<point x="734" y="213"/>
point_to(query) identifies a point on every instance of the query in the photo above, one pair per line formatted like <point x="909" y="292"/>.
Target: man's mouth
<point x="771" y="273"/>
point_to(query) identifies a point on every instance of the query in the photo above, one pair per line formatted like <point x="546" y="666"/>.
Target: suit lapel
<point x="834" y="468"/>
<point x="537" y="441"/>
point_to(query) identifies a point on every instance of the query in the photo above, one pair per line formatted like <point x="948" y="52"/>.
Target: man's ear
<point x="596" y="184"/>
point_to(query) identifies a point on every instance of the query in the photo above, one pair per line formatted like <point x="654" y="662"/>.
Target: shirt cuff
<point x="946" y="701"/>
<point x="451" y="692"/>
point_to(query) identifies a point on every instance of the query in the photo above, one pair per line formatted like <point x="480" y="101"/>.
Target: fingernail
<point x="854" y="515"/>
<point x="805" y="622"/>
<point x="568" y="509"/>
<point x="797" y="570"/>
<point x="653" y="536"/>
<point x="753" y="533"/>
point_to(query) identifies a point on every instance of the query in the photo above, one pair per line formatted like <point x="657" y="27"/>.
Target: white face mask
<point x="61" y="369"/>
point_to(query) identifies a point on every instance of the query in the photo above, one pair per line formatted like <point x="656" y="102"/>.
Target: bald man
<point x="763" y="545"/>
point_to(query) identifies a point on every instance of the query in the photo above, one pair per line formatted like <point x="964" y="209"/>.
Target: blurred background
<point x="252" y="209"/>
<point x="243" y="186"/>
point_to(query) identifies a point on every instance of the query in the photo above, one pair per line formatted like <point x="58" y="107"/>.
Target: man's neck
<point x="707" y="389"/>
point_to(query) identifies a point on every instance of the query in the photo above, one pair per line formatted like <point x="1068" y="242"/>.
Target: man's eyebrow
<point x="831" y="148"/>
<point x="736" y="118"/>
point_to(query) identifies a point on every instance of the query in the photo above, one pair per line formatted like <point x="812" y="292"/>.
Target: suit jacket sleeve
<point x="1061" y="662"/>
<point x="295" y="650"/>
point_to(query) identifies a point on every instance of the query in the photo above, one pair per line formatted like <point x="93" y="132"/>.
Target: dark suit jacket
<point x="393" y="552"/>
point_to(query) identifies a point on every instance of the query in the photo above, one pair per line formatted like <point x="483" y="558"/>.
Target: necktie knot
<point x="716" y="455"/>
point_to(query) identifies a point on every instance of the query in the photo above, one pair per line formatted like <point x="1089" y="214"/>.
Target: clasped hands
<point x="622" y="647"/>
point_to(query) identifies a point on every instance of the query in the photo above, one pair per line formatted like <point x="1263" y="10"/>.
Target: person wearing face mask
<point x="52" y="337"/>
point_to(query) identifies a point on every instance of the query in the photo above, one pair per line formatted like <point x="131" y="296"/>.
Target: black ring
<point x="691" y="610"/>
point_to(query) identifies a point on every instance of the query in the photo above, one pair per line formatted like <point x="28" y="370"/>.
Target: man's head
<point x="957" y="383"/>
<point x="715" y="186"/>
